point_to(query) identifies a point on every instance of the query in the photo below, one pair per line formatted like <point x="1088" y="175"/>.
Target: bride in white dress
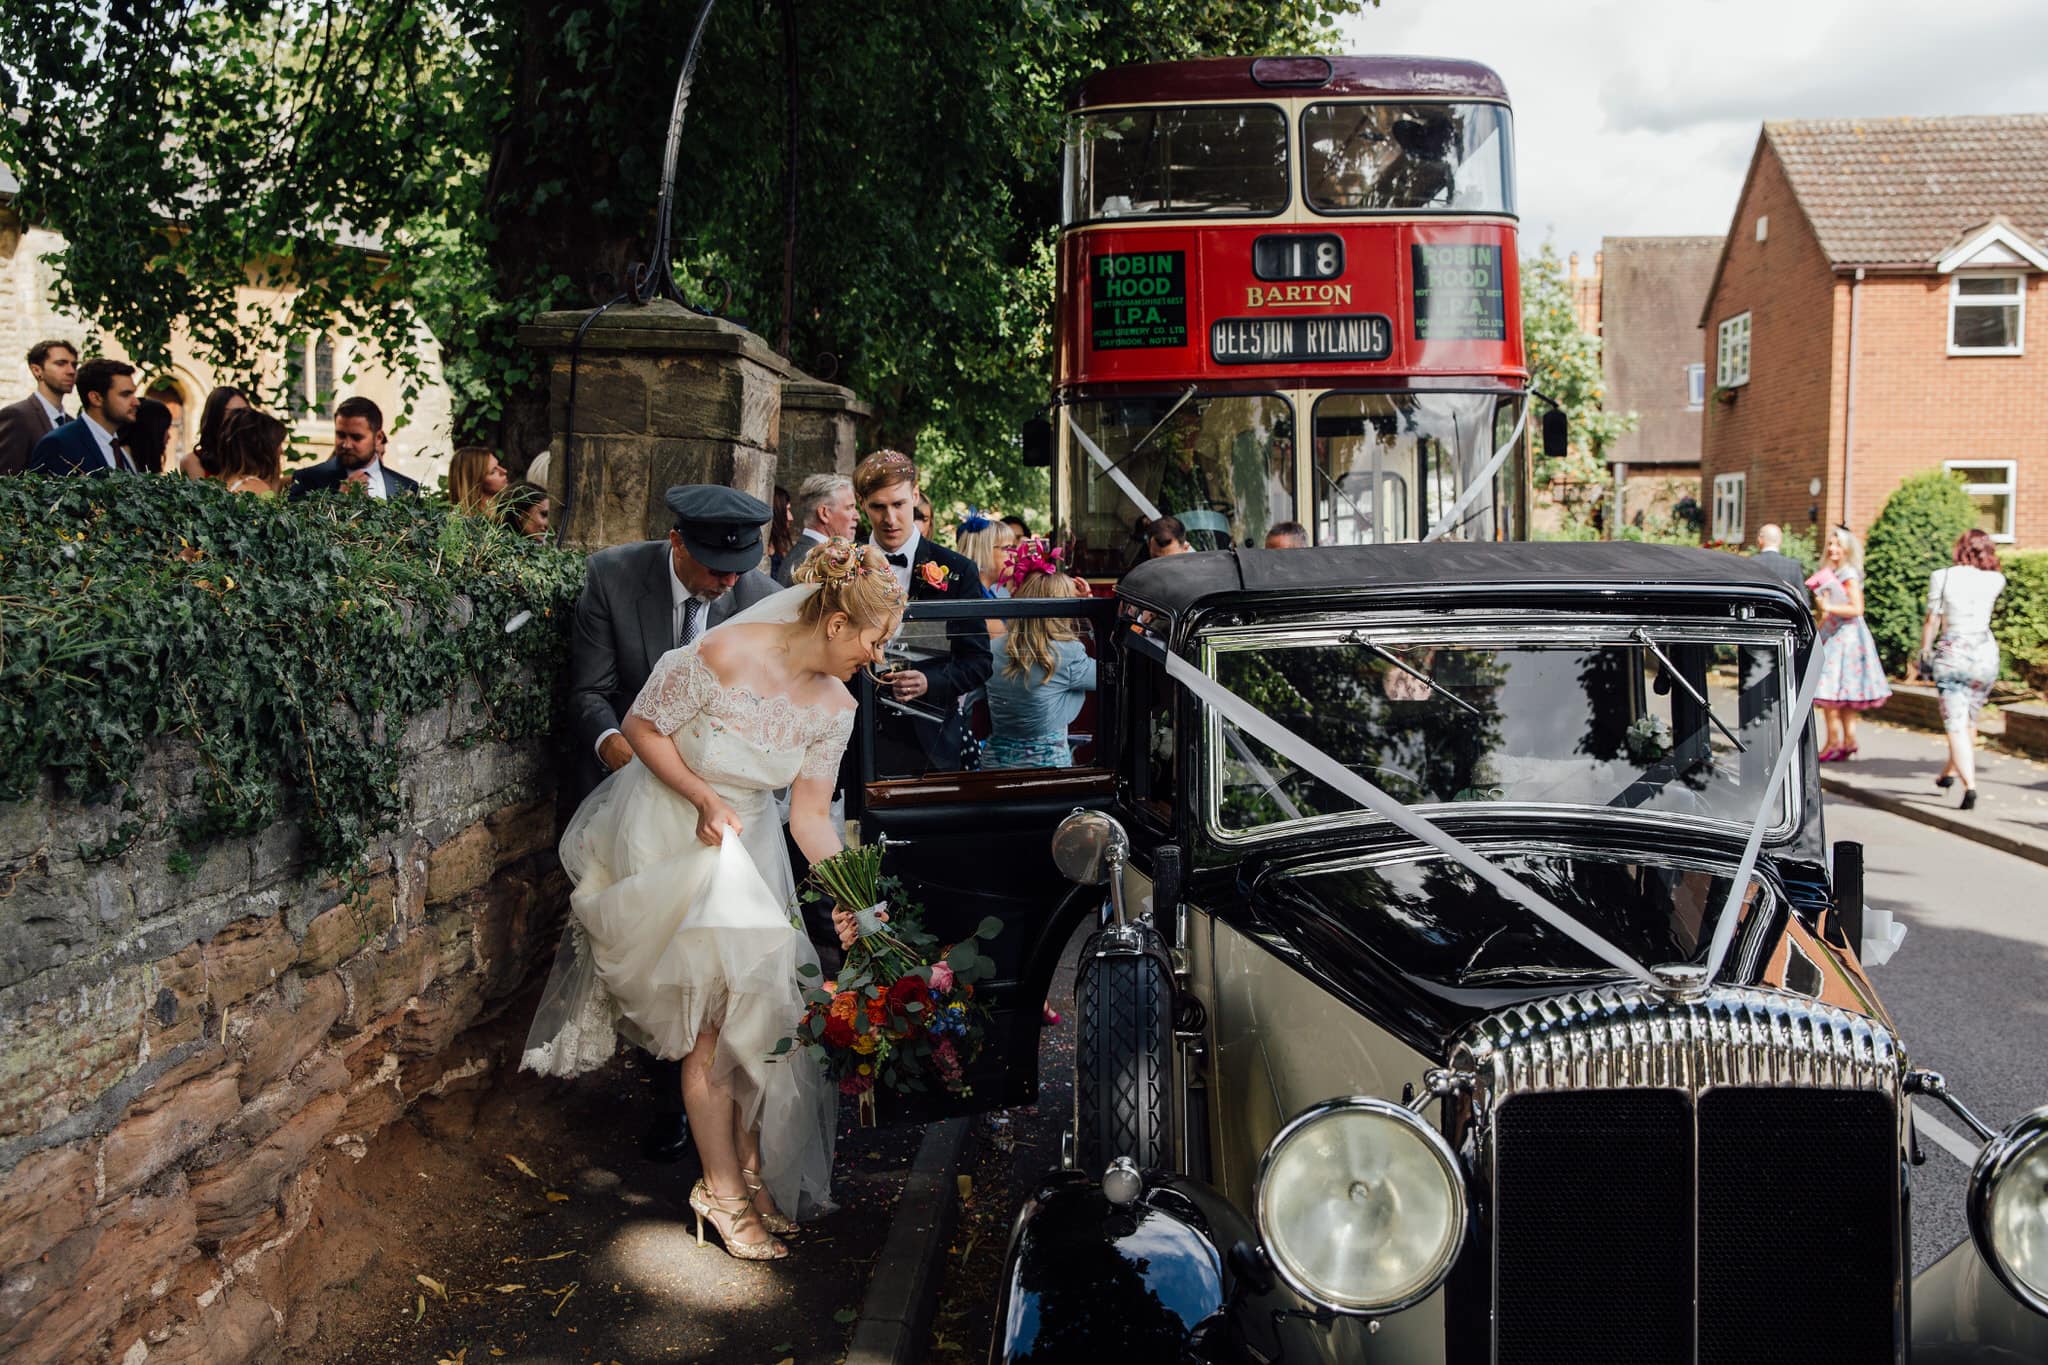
<point x="684" y="935"/>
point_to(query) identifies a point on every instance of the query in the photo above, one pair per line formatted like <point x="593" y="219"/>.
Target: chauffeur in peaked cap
<point x="639" y="602"/>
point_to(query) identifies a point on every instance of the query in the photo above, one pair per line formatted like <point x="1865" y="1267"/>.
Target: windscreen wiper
<point x="1359" y="638"/>
<point x="1642" y="637"/>
<point x="1132" y="453"/>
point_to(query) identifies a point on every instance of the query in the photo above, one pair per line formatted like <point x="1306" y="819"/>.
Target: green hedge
<point x="289" y="642"/>
<point x="1913" y="536"/>
<point x="2021" y="620"/>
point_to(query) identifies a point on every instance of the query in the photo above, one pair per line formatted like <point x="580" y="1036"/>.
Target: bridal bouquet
<point x="902" y="1016"/>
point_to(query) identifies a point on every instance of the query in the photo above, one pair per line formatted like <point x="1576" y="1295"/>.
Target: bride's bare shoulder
<point x="833" y="695"/>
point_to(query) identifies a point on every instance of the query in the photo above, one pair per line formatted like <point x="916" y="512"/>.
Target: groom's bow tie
<point x="900" y="561"/>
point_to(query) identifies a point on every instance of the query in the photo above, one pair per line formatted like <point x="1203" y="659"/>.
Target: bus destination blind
<point x="1138" y="300"/>
<point x="1266" y="341"/>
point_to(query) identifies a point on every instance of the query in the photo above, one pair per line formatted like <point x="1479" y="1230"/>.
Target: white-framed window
<point x="1731" y="352"/>
<point x="309" y="376"/>
<point x="1695" y="386"/>
<point x="1987" y="314"/>
<point x="1991" y="485"/>
<point x="1731" y="498"/>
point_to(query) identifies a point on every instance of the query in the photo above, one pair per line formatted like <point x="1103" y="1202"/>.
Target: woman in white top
<point x="1965" y="664"/>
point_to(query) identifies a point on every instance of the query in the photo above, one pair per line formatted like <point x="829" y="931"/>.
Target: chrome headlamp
<point x="1361" y="1206"/>
<point x="2009" y="1208"/>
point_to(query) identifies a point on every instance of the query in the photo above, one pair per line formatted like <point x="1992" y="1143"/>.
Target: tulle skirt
<point x="667" y="937"/>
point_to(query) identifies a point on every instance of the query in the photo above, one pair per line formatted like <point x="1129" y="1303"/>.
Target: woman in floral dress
<point x="1851" y="674"/>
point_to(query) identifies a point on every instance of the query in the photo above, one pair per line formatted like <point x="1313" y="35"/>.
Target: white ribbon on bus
<point x="1456" y="516"/>
<point x="1244" y="716"/>
<point x="1116" y="476"/>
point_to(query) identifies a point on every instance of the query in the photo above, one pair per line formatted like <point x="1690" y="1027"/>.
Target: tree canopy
<point x="455" y="166"/>
<point x="1564" y="364"/>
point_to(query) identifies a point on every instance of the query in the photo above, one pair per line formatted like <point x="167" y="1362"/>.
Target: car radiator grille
<point x="1730" y="1196"/>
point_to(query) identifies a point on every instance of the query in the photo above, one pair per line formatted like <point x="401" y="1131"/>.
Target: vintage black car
<point x="1425" y="1020"/>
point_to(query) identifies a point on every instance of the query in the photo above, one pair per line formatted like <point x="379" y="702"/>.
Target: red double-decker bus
<point x="1254" y="249"/>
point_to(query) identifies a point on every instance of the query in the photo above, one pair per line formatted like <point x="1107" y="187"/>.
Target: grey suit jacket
<point x="624" y="624"/>
<point x="786" y="575"/>
<point x="21" y="426"/>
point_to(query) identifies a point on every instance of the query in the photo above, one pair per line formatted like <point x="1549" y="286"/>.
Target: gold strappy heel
<point x="708" y="1206"/>
<point x="778" y="1222"/>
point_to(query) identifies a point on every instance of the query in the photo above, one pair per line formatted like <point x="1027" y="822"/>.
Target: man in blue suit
<point x="107" y="399"/>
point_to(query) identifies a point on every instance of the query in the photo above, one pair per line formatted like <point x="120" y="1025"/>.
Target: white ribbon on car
<point x="1116" y="475"/>
<point x="1283" y="741"/>
<point x="1456" y="516"/>
<point x="1802" y="716"/>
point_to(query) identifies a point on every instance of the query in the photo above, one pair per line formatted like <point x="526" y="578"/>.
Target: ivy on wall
<point x="289" y="643"/>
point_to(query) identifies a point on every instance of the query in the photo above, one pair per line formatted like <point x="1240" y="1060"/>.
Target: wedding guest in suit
<point x="930" y="688"/>
<point x="824" y="508"/>
<point x="252" y="451"/>
<point x="54" y="365"/>
<point x="204" y="459"/>
<point x="639" y="602"/>
<point x="524" y="509"/>
<point x="147" y="435"/>
<point x="1287" y="535"/>
<point x="358" y="457"/>
<point x="1770" y="540"/>
<point x="475" y="477"/>
<point x="107" y="400"/>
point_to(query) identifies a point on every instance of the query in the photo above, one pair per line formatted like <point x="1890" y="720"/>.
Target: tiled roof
<point x="1651" y="293"/>
<point x="1899" y="191"/>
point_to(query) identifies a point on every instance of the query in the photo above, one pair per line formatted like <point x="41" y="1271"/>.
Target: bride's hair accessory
<point x="1028" y="557"/>
<point x="851" y="578"/>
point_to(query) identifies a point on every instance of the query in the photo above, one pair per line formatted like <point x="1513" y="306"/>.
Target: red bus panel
<point x="1332" y="300"/>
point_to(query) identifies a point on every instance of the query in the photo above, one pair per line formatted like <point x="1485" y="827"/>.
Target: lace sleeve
<point x="680" y="686"/>
<point x="821" y="755"/>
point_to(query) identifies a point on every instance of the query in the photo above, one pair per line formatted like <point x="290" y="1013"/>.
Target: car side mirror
<point x="1848" y="877"/>
<point x="1037" y="436"/>
<point x="1557" y="434"/>
<point x="1089" y="847"/>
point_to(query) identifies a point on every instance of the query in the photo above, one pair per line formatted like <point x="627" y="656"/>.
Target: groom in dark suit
<point x="930" y="691"/>
<point x="640" y="601"/>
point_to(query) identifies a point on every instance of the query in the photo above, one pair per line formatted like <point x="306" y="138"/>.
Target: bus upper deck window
<point x="1174" y="161"/>
<point x="1390" y="157"/>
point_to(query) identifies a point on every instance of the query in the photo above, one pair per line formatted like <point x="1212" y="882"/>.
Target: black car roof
<point x="1178" y="583"/>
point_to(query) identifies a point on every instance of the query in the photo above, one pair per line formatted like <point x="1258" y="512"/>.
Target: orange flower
<point x="934" y="573"/>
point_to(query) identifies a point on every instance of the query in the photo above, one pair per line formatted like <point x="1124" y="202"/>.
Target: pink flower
<point x="946" y="1060"/>
<point x="942" y="978"/>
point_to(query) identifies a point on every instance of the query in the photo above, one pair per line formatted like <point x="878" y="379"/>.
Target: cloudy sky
<point x="1636" y="117"/>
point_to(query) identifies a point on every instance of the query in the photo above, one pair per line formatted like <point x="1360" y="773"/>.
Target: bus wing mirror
<point x="1038" y="444"/>
<point x="1557" y="434"/>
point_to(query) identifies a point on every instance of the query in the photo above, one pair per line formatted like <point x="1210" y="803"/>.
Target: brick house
<point x="1651" y="292"/>
<point x="1878" y="310"/>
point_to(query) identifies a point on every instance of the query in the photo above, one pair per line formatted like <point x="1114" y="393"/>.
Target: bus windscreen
<point x="1408" y="157"/>
<point x="1175" y="161"/>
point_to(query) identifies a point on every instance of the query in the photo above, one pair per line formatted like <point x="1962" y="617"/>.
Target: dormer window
<point x="1987" y="313"/>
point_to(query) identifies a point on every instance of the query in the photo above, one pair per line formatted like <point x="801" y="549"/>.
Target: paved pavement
<point x="1968" y="989"/>
<point x="1895" y="771"/>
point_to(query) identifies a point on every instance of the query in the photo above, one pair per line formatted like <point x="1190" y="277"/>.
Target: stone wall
<point x="188" y="1041"/>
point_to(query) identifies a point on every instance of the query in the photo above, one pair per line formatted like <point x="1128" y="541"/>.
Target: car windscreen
<point x="1670" y="720"/>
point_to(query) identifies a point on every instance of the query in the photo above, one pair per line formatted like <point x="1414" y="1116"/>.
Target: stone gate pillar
<point x="823" y="429"/>
<point x="663" y="396"/>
